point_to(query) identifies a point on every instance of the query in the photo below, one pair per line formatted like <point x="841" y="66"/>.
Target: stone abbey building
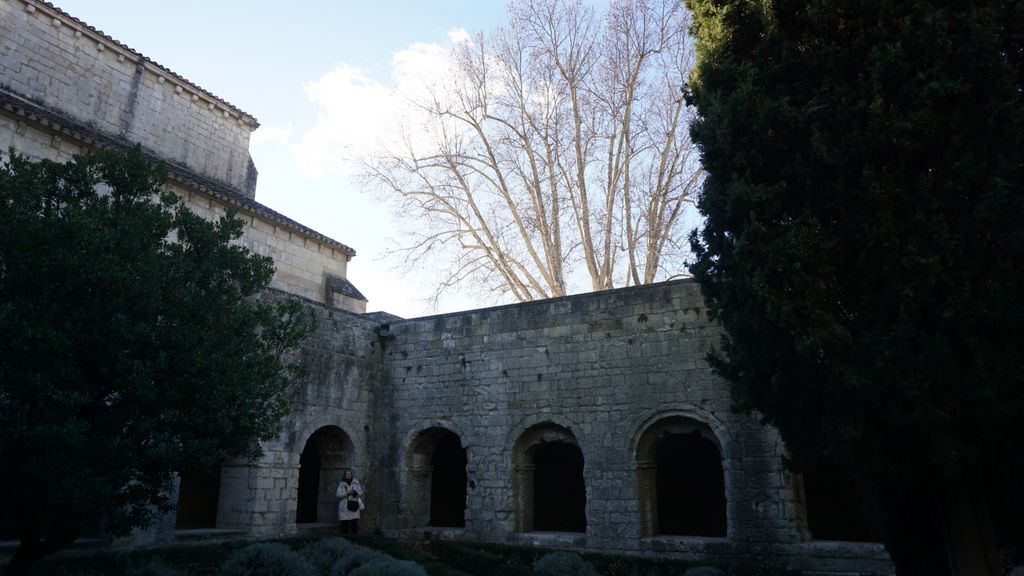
<point x="588" y="422"/>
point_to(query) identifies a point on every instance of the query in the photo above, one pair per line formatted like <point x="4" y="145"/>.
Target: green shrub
<point x="389" y="567"/>
<point x="703" y="571"/>
<point x="153" y="568"/>
<point x="354" y="557"/>
<point x="324" y="553"/>
<point x="428" y="561"/>
<point x="266" y="559"/>
<point x="480" y="562"/>
<point x="563" y="564"/>
<point x="609" y="565"/>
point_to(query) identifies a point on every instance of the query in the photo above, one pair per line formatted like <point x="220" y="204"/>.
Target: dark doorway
<point x="448" y="482"/>
<point x="309" y="483"/>
<point x="198" y="493"/>
<point x="559" y="493"/>
<point x="690" y="486"/>
<point x="324" y="458"/>
<point x="835" y="507"/>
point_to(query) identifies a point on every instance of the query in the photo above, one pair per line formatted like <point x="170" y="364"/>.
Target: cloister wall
<point x="605" y="367"/>
<point x="343" y="364"/>
<point x="601" y="369"/>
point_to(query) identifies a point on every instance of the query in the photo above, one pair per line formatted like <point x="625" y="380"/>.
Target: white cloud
<point x="358" y="114"/>
<point x="352" y="106"/>
<point x="459" y="36"/>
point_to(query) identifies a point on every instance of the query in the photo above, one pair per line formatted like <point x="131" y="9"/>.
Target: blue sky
<point x="314" y="75"/>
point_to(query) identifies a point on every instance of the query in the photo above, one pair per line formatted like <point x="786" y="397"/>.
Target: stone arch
<point x="435" y="479"/>
<point x="682" y="479"/>
<point x="532" y="421"/>
<point x="297" y="440"/>
<point x="548" y="487"/>
<point x="326" y="454"/>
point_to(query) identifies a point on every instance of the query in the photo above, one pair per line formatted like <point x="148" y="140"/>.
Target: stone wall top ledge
<point x="563" y="305"/>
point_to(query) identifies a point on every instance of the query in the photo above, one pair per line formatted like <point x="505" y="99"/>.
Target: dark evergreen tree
<point x="864" y="246"/>
<point x="133" y="344"/>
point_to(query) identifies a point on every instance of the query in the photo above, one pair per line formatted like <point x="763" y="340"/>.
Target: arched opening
<point x="448" y="483"/>
<point x="309" y="484"/>
<point x="548" y="482"/>
<point x="681" y="479"/>
<point x="690" y="486"/>
<point x="323" y="460"/>
<point x="436" y="480"/>
<point x="198" y="495"/>
<point x="834" y="506"/>
<point x="559" y="495"/>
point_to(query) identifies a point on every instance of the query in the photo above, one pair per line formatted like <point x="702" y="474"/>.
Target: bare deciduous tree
<point x="558" y="144"/>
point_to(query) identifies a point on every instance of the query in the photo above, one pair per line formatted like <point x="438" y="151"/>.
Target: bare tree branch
<point x="559" y="142"/>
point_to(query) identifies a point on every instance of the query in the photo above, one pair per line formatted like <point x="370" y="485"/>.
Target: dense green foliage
<point x="133" y="344"/>
<point x="863" y="249"/>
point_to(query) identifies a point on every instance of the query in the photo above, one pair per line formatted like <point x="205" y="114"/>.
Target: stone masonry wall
<point x="60" y="63"/>
<point x="605" y="366"/>
<point x="344" y="370"/>
<point x="343" y="362"/>
<point x="300" y="262"/>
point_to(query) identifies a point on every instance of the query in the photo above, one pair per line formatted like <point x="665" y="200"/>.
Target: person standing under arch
<point x="350" y="504"/>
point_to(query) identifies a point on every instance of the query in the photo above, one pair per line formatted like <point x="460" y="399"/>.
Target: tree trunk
<point x="912" y="531"/>
<point x="941" y="530"/>
<point x="32" y="550"/>
<point x="33" y="546"/>
<point x="967" y="530"/>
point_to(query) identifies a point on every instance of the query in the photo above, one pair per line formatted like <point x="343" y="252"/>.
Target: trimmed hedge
<point x="325" y="553"/>
<point x="153" y="568"/>
<point x="484" y="562"/>
<point x="439" y="558"/>
<point x="563" y="564"/>
<point x="430" y="563"/>
<point x="267" y="559"/>
<point x="389" y="567"/>
<point x="353" y="558"/>
<point x="703" y="571"/>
